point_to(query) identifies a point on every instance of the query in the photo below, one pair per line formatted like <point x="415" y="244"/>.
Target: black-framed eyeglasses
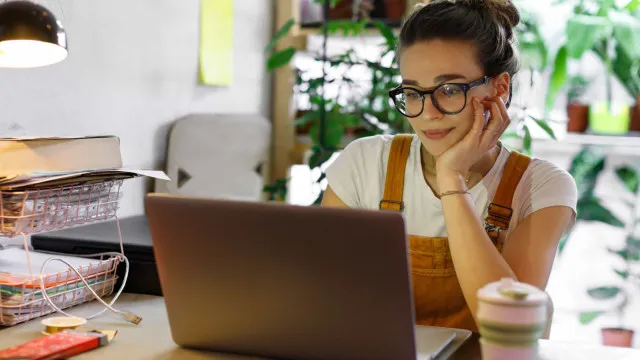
<point x="448" y="98"/>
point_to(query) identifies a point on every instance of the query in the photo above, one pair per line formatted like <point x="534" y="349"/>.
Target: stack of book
<point x="50" y="183"/>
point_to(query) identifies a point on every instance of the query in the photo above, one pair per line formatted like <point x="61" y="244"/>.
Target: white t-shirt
<point x="357" y="176"/>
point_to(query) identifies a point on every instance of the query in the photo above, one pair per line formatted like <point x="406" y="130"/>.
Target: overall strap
<point x="394" y="182"/>
<point x="500" y="209"/>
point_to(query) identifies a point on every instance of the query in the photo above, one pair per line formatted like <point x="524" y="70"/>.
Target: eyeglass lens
<point x="449" y="98"/>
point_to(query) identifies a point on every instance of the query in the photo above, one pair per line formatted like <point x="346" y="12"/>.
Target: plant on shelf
<point x="577" y="108"/>
<point x="586" y="167"/>
<point x="609" y="29"/>
<point x="340" y="107"/>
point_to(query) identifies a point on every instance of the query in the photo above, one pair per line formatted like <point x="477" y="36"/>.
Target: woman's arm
<point x="529" y="251"/>
<point x="528" y="254"/>
<point x="330" y="199"/>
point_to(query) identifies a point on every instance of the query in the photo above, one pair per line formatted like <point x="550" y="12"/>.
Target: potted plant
<point x="629" y="255"/>
<point x="609" y="30"/>
<point x="577" y="109"/>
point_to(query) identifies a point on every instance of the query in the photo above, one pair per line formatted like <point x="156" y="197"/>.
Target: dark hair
<point x="486" y="23"/>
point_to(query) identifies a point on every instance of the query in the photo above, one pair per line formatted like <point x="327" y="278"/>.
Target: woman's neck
<point x="476" y="173"/>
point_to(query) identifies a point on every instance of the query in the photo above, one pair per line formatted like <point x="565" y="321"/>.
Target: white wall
<point x="131" y="71"/>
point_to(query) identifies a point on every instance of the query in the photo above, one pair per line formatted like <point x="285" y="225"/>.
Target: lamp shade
<point x="30" y="36"/>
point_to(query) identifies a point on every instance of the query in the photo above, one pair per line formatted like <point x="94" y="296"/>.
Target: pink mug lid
<point x="511" y="292"/>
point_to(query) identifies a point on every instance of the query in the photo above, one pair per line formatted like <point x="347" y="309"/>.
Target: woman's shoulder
<point x="545" y="184"/>
<point x="545" y="173"/>
<point x="540" y="171"/>
<point x="355" y="175"/>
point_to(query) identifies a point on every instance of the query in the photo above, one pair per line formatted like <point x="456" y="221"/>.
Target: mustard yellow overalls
<point x="438" y="298"/>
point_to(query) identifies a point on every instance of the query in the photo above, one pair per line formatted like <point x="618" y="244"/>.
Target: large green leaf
<point x="626" y="29"/>
<point x="558" y="78"/>
<point x="629" y="254"/>
<point x="590" y="209"/>
<point x="604" y="292"/>
<point x="623" y="274"/>
<point x="526" y="140"/>
<point x="280" y="58"/>
<point x="284" y="30"/>
<point x="585" y="168"/>
<point x="622" y="66"/>
<point x="589" y="316"/>
<point x="583" y="32"/>
<point x="387" y="33"/>
<point x="629" y="177"/>
<point x="544" y="126"/>
<point x="633" y="5"/>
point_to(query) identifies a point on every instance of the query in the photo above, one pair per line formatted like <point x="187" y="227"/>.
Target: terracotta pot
<point x="383" y="9"/>
<point x="342" y="10"/>
<point x="396" y="9"/>
<point x="617" y="337"/>
<point x="578" y="115"/>
<point x="634" y="125"/>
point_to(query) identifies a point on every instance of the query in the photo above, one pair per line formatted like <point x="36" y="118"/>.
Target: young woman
<point x="475" y="211"/>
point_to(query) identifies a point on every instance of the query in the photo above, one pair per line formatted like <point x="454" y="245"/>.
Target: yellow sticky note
<point x="216" y="42"/>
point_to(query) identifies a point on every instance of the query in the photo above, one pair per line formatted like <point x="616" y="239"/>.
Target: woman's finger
<point x="504" y="112"/>
<point x="495" y="128"/>
<point x="478" y="118"/>
<point x="503" y="107"/>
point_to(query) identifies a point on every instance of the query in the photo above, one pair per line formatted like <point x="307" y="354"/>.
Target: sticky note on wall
<point x="216" y="42"/>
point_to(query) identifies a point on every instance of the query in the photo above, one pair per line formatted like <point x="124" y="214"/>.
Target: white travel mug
<point x="512" y="317"/>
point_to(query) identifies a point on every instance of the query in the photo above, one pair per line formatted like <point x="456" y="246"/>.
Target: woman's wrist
<point x="451" y="182"/>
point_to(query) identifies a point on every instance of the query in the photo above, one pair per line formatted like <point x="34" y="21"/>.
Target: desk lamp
<point x="30" y="36"/>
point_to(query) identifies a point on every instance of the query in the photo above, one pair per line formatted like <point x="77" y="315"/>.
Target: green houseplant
<point x="332" y="120"/>
<point x="586" y="168"/>
<point x="609" y="29"/>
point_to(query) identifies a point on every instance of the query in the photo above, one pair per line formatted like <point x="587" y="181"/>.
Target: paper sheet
<point x="216" y="42"/>
<point x="31" y="180"/>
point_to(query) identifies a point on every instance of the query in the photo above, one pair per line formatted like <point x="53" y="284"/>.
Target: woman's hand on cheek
<point x="457" y="160"/>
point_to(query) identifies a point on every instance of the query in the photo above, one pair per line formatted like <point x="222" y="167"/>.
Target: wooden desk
<point x="151" y="339"/>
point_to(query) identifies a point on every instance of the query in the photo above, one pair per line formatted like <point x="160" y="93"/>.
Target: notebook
<point x="14" y="269"/>
<point x="26" y="155"/>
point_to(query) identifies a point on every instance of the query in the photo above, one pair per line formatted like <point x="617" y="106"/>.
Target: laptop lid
<point x="283" y="281"/>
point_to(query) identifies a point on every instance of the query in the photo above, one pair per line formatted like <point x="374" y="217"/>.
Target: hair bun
<point x="502" y="10"/>
<point x="505" y="11"/>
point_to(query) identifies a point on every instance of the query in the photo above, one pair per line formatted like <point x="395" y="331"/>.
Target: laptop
<point x="287" y="282"/>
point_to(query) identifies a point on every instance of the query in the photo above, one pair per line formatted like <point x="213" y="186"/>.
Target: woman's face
<point x="427" y="64"/>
